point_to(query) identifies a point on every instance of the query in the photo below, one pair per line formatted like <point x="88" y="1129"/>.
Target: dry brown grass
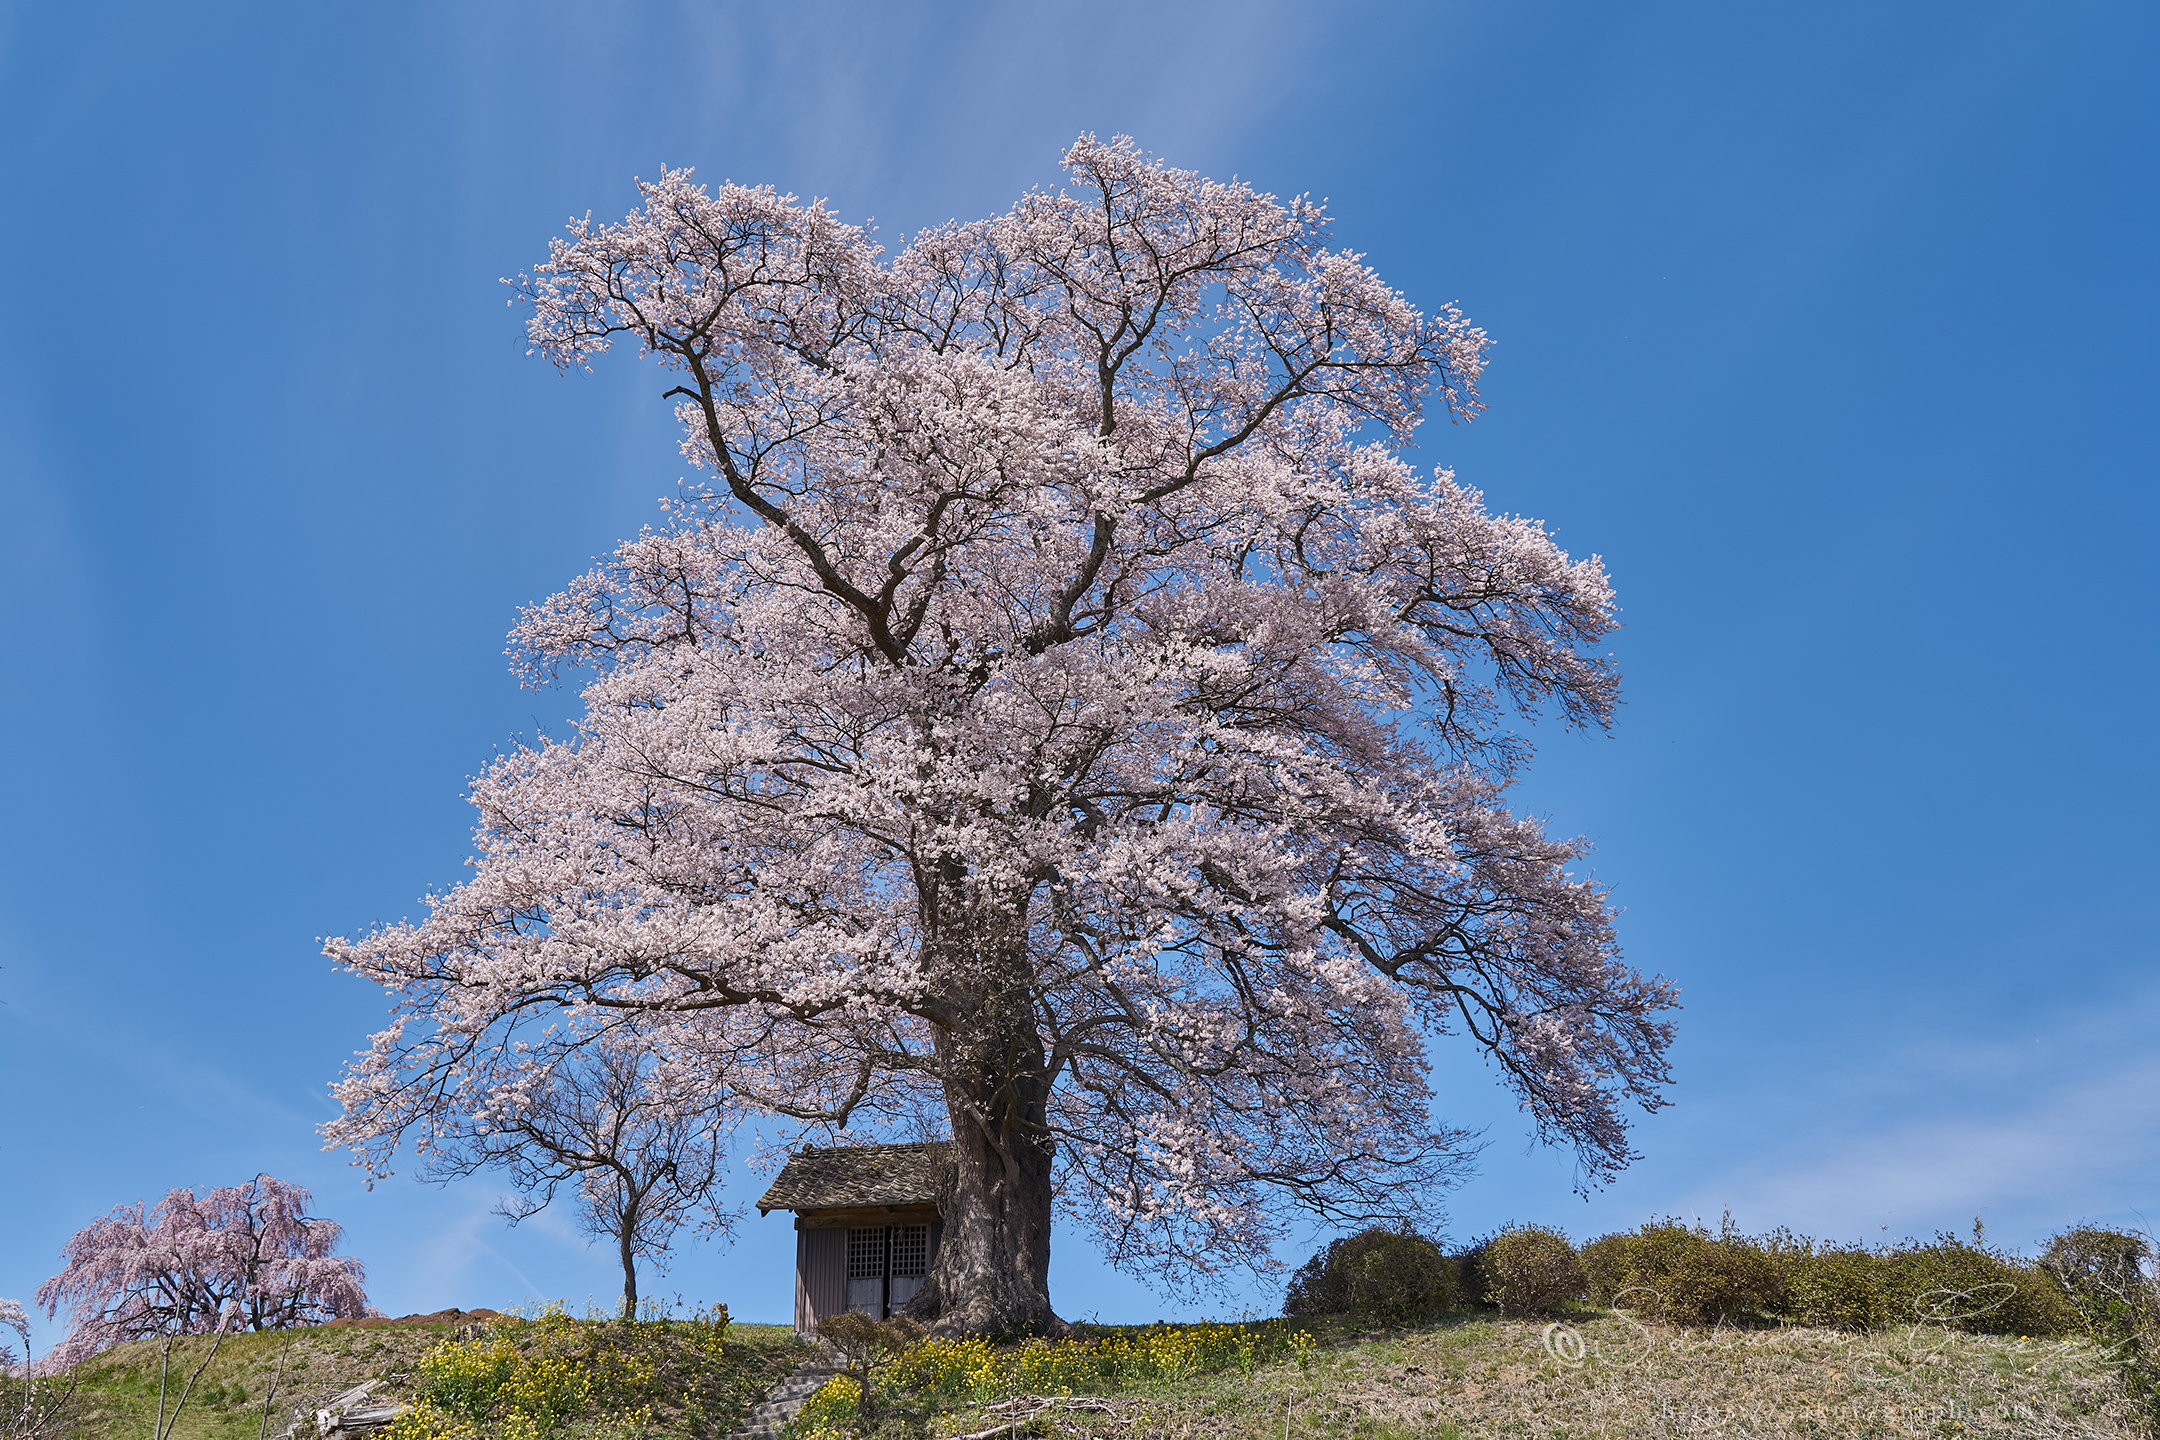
<point x="1483" y="1378"/>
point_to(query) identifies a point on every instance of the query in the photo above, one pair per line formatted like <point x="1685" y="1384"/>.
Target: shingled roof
<point x="841" y="1175"/>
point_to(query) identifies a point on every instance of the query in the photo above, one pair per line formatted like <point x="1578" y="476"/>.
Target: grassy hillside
<point x="692" y="1383"/>
<point x="1470" y="1375"/>
<point x="1604" y="1377"/>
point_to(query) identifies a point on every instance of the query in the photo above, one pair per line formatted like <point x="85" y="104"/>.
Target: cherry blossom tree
<point x="1065" y="716"/>
<point x="239" y="1256"/>
<point x="642" y="1144"/>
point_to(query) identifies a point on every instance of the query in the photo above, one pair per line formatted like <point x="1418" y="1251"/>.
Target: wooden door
<point x="866" y="1260"/>
<point x="910" y="1251"/>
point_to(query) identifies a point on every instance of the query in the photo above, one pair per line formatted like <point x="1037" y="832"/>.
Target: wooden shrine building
<point x="866" y="1225"/>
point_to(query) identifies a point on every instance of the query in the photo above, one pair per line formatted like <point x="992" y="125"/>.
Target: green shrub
<point x="1607" y="1263"/>
<point x="1979" y="1289"/>
<point x="1471" y="1279"/>
<point x="1965" y="1286"/>
<point x="1391" y="1276"/>
<point x="1530" y="1270"/>
<point x="1839" y="1287"/>
<point x="2103" y="1273"/>
<point x="1681" y="1273"/>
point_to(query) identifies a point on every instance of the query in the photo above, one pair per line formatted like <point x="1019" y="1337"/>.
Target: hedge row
<point x="1681" y="1273"/>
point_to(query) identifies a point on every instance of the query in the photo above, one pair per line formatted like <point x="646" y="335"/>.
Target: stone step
<point x="771" y="1415"/>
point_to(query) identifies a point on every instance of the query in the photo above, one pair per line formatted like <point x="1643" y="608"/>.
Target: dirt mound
<point x="452" y="1316"/>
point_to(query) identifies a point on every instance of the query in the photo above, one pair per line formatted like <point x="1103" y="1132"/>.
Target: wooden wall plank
<point x="824" y="1275"/>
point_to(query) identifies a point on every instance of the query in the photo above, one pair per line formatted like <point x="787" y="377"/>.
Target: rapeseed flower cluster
<point x="976" y="1370"/>
<point x="463" y="1378"/>
<point x="627" y="1425"/>
<point x="708" y="1332"/>
<point x="1300" y="1346"/>
<point x="464" y="1386"/>
<point x="825" y="1415"/>
<point x="947" y="1367"/>
<point x="546" y="1387"/>
<point x="1179" y="1352"/>
<point x="429" y="1421"/>
<point x="1045" y="1367"/>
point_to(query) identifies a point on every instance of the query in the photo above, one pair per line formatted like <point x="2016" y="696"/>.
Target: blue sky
<point x="1828" y="326"/>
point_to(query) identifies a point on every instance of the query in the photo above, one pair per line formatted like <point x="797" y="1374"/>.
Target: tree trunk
<point x="629" y="1270"/>
<point x="992" y="1271"/>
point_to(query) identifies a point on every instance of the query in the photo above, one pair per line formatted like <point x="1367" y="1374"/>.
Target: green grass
<point x="1467" y="1377"/>
<point x="1473" y="1375"/>
<point x="698" y="1391"/>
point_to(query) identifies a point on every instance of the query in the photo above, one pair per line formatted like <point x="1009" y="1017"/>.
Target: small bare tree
<point x="615" y="1122"/>
<point x="2112" y="1279"/>
<point x="228" y="1315"/>
<point x="38" y="1410"/>
<point x="867" y="1346"/>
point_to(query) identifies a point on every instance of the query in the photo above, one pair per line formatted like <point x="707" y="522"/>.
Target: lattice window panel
<point x="866" y="1254"/>
<point x="910" y="1249"/>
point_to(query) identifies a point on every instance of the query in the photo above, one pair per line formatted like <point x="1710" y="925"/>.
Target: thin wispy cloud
<point x="2030" y="1132"/>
